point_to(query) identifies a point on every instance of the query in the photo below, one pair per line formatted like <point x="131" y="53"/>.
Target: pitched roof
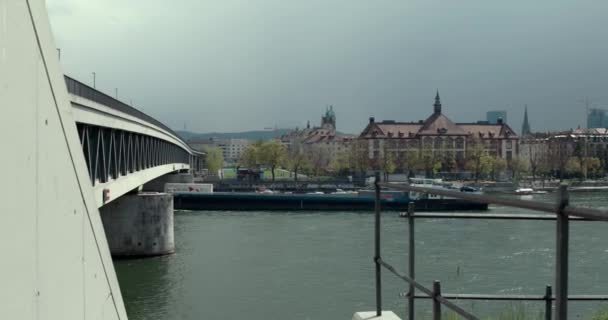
<point x="438" y="123"/>
<point x="389" y="129"/>
<point x="488" y="130"/>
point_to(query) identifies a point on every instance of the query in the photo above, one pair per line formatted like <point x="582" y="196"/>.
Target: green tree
<point x="387" y="164"/>
<point x="273" y="154"/>
<point x="429" y="161"/>
<point x="594" y="166"/>
<point x="296" y="159"/>
<point x="497" y="165"/>
<point x="214" y="158"/>
<point x="478" y="159"/>
<point x="517" y="166"/>
<point x="251" y="156"/>
<point x="412" y="162"/>
<point x="319" y="158"/>
<point x="573" y="166"/>
<point x="358" y="156"/>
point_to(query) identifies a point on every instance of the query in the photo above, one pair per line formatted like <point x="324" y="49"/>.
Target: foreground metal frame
<point x="561" y="212"/>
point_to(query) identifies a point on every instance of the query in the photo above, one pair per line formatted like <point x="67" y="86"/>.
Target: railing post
<point x="436" y="303"/>
<point x="561" y="256"/>
<point x="548" y="302"/>
<point x="377" y="246"/>
<point x="412" y="259"/>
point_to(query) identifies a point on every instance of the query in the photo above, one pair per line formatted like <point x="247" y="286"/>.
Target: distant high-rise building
<point x="493" y="116"/>
<point x="525" y="128"/>
<point x="596" y="118"/>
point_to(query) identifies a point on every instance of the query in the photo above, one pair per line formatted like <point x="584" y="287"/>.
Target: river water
<point x="318" y="265"/>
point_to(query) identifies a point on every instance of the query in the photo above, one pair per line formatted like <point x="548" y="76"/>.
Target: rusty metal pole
<point x="548" y="302"/>
<point x="377" y="246"/>
<point x="436" y="303"/>
<point x="412" y="259"/>
<point x="561" y="256"/>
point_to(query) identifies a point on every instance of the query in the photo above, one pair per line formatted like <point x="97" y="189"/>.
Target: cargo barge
<point x="362" y="201"/>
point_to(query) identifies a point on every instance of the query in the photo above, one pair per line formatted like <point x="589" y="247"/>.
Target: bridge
<point x="123" y="147"/>
<point x="74" y="161"/>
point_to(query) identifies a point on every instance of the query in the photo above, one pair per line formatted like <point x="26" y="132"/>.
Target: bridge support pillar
<point x="158" y="184"/>
<point x="139" y="225"/>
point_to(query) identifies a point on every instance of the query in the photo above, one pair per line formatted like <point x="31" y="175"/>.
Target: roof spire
<point x="437" y="105"/>
<point x="525" y="128"/>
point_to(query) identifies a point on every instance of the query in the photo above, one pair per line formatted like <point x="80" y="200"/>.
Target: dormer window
<point x="442" y="130"/>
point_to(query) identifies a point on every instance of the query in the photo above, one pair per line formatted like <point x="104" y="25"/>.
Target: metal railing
<point x="82" y="90"/>
<point x="561" y="212"/>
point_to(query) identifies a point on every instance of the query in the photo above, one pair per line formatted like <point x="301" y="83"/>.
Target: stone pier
<point x="139" y="224"/>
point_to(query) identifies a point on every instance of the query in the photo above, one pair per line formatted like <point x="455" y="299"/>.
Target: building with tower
<point x="324" y="136"/>
<point x="441" y="136"/>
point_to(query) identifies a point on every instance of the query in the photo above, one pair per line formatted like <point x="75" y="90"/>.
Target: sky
<point x="236" y="65"/>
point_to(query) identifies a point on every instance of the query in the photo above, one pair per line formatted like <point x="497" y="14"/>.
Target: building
<point x="232" y="149"/>
<point x="525" y="127"/>
<point x="440" y="135"/>
<point x="596" y="118"/>
<point x="324" y="136"/>
<point x="493" y="116"/>
<point x="552" y="150"/>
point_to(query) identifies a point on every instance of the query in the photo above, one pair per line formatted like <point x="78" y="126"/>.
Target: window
<point x="438" y="143"/>
<point x="459" y="143"/>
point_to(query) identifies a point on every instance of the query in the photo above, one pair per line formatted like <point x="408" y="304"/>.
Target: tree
<point x="517" y="166"/>
<point x="319" y="158"/>
<point x="251" y="156"/>
<point x="358" y="156"/>
<point x="497" y="165"/>
<point x="430" y="161"/>
<point x="387" y="164"/>
<point x="478" y="159"/>
<point x="412" y="162"/>
<point x="573" y="166"/>
<point x="448" y="161"/>
<point x="594" y="166"/>
<point x="214" y="159"/>
<point x="273" y="154"/>
<point x="296" y="159"/>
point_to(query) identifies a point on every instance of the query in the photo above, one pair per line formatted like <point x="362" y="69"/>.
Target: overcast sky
<point x="234" y="65"/>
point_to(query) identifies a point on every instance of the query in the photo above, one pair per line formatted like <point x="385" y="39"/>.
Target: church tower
<point x="328" y="121"/>
<point x="437" y="105"/>
<point x="525" y="128"/>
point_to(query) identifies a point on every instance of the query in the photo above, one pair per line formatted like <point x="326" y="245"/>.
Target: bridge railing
<point x="82" y="90"/>
<point x="561" y="212"/>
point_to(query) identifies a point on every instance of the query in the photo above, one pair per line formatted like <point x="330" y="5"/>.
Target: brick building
<point x="440" y="135"/>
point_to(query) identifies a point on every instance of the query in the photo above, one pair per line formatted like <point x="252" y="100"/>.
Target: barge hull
<point x="257" y="202"/>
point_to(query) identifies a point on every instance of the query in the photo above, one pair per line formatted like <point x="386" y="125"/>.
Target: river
<point x="318" y="265"/>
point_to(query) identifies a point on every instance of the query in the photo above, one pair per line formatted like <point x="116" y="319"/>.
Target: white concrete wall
<point x="55" y="259"/>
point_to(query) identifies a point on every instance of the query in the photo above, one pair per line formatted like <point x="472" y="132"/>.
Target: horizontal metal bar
<point x="429" y="292"/>
<point x="497" y="297"/>
<point x="588" y="213"/>
<point x="490" y="216"/>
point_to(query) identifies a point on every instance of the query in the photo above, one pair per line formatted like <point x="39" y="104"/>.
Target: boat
<point x="363" y="200"/>
<point x="524" y="191"/>
<point x="528" y="191"/>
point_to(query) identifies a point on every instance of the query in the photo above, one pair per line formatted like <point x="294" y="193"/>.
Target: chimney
<point x="371" y="119"/>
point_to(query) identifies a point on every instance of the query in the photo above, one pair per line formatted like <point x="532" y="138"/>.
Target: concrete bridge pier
<point x="138" y="225"/>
